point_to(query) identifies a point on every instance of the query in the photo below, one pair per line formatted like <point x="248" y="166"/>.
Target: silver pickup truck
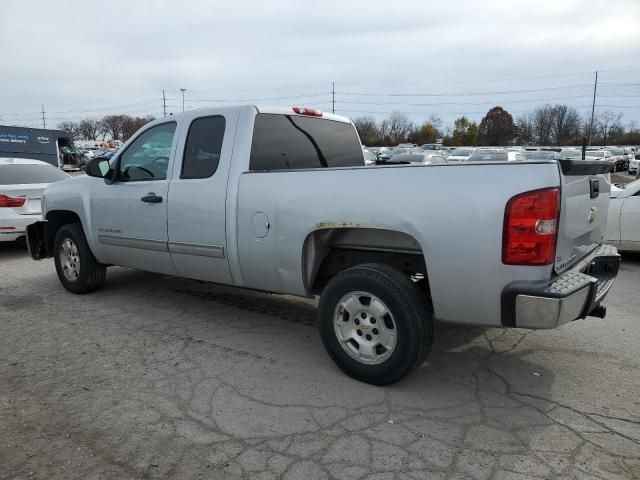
<point x="279" y="200"/>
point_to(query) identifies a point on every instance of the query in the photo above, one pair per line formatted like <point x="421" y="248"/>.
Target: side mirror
<point x="98" y="167"/>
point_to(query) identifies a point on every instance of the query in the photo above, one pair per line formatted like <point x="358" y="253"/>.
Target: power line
<point x="470" y="94"/>
<point x="254" y="99"/>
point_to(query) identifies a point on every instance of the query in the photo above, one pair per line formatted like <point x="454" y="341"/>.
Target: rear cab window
<point x="288" y="142"/>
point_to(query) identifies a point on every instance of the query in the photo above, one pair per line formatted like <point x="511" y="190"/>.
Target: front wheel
<point x="77" y="268"/>
<point x="375" y="323"/>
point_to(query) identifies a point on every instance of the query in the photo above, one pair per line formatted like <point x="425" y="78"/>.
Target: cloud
<point x="88" y="57"/>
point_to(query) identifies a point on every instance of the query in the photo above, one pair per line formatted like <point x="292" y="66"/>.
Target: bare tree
<point x="71" y="128"/>
<point x="132" y="124"/>
<point x="608" y="124"/>
<point x="112" y="125"/>
<point x="88" y="128"/>
<point x="565" y="124"/>
<point x="542" y="124"/>
<point x="436" y="121"/>
<point x="396" y="128"/>
<point x="368" y="130"/>
<point x="525" y="130"/>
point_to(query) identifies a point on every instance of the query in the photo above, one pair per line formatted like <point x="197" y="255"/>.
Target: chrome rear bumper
<point x="573" y="295"/>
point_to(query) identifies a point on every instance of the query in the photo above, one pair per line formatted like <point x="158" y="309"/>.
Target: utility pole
<point x="164" y="103"/>
<point x="333" y="97"/>
<point x="183" y="90"/>
<point x="593" y="107"/>
<point x="44" y="122"/>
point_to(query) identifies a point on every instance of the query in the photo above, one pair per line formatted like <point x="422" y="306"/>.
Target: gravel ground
<point x="155" y="377"/>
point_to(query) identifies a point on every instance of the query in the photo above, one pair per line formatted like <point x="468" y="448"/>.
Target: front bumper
<point x="573" y="295"/>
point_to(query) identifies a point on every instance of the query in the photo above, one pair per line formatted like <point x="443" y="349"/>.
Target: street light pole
<point x="183" y="90"/>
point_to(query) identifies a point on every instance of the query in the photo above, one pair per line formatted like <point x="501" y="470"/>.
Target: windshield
<point x="572" y="154"/>
<point x="22" y="174"/>
<point x="461" y="152"/>
<point x="489" y="157"/>
<point x="540" y="155"/>
<point x="399" y="151"/>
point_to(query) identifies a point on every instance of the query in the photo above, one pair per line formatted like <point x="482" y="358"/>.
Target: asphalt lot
<point x="158" y="377"/>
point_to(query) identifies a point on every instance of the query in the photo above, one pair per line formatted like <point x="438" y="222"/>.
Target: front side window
<point x="203" y="147"/>
<point x="282" y="142"/>
<point x="147" y="158"/>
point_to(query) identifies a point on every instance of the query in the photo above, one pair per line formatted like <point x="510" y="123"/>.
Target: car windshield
<point x="399" y="151"/>
<point x="369" y="156"/>
<point x="489" y="157"/>
<point x="540" y="155"/>
<point x="571" y="154"/>
<point x="460" y="152"/>
<point x="616" y="151"/>
<point x="23" y="174"/>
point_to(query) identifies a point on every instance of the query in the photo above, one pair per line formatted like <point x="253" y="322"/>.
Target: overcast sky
<point x="454" y="57"/>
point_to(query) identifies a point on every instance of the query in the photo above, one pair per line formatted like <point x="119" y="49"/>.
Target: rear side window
<point x="26" y="174"/>
<point x="203" y="147"/>
<point x="282" y="142"/>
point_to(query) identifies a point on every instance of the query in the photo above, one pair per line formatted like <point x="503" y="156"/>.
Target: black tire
<point x="409" y="307"/>
<point x="91" y="274"/>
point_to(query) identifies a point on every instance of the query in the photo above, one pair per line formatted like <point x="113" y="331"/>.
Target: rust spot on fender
<point x="321" y="225"/>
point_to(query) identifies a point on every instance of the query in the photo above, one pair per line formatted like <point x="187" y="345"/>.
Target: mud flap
<point x="36" y="240"/>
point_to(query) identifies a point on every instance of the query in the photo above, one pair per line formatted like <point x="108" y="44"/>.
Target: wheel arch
<point x="56" y="219"/>
<point x="329" y="251"/>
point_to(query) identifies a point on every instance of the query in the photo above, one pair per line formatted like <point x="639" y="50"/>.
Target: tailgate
<point x="583" y="213"/>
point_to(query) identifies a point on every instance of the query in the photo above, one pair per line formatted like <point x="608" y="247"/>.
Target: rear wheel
<point x="375" y="323"/>
<point x="77" y="268"/>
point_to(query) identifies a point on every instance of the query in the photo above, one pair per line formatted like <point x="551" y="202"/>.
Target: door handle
<point x="151" y="198"/>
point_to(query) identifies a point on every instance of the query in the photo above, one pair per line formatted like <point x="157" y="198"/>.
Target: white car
<point x="425" y="157"/>
<point x="623" y="223"/>
<point x="496" y="155"/>
<point x="22" y="182"/>
<point x="460" y="154"/>
<point x="634" y="164"/>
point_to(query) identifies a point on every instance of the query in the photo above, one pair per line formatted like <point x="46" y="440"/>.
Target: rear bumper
<point x="13" y="226"/>
<point x="573" y="295"/>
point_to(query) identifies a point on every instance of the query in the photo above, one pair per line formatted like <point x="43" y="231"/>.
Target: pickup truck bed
<point x="279" y="200"/>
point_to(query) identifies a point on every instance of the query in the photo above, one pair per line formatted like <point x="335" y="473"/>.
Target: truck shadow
<point x="490" y="359"/>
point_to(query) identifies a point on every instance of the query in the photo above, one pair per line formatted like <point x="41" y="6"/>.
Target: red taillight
<point x="12" y="201"/>
<point x="530" y="228"/>
<point x="312" y="112"/>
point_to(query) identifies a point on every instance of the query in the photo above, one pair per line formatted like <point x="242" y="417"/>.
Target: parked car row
<point x="621" y="158"/>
